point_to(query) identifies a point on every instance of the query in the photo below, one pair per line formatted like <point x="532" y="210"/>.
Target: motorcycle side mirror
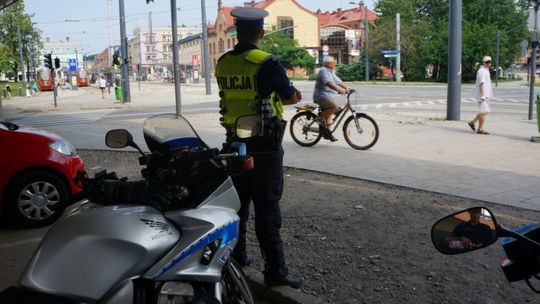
<point x="248" y="126"/>
<point x="118" y="138"/>
<point x="464" y="231"/>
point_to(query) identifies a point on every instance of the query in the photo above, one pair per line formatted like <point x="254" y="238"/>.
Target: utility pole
<point x="176" y="66"/>
<point x="23" y="73"/>
<point x="366" y="27"/>
<point x="205" y="50"/>
<point x="534" y="44"/>
<point x="398" y="57"/>
<point x="109" y="25"/>
<point x="151" y="37"/>
<point x="497" y="59"/>
<point x="124" y="65"/>
<point x="453" y="105"/>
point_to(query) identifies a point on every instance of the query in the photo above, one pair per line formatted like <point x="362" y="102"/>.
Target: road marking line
<point x="430" y="102"/>
<point x="392" y="105"/>
<point x="378" y="106"/>
<point x="406" y="104"/>
<point x="22" y="242"/>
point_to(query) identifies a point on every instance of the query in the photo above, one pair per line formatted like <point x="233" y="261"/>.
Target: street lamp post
<point x="366" y="31"/>
<point x="534" y="44"/>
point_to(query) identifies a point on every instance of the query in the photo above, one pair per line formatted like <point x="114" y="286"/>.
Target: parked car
<point x="38" y="176"/>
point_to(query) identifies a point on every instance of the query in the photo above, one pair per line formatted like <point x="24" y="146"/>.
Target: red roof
<point x="341" y="17"/>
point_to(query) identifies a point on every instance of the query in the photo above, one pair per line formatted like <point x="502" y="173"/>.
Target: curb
<point x="278" y="294"/>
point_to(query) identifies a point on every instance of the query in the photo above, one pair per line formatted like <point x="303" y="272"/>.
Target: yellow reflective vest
<point x="237" y="80"/>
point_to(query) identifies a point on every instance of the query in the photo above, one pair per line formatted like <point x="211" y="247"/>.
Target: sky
<point x="86" y="21"/>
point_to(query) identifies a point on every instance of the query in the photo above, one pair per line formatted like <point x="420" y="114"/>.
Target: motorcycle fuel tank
<point x="93" y="249"/>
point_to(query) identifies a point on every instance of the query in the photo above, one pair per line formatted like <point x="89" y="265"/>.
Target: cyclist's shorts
<point x="326" y="103"/>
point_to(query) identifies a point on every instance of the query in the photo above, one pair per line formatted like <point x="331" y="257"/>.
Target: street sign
<point x="385" y="52"/>
<point x="72" y="65"/>
<point x="195" y="60"/>
<point x="325" y="53"/>
<point x="390" y="55"/>
<point x="325" y="48"/>
<point x="355" y="52"/>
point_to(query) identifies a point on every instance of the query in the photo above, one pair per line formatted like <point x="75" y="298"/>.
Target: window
<point x="148" y="48"/>
<point x="153" y="48"/>
<point x="228" y="43"/>
<point x="164" y="49"/>
<point x="163" y="38"/>
<point x="221" y="46"/>
<point x="286" y="23"/>
<point x="334" y="37"/>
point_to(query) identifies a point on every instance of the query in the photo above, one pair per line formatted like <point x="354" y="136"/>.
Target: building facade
<point x="342" y="33"/>
<point x="63" y="50"/>
<point x="152" y="52"/>
<point x="288" y="16"/>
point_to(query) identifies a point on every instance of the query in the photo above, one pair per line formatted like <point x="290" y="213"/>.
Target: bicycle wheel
<point x="304" y="129"/>
<point x="361" y="132"/>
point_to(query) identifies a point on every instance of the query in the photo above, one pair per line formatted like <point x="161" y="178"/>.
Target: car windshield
<point x="171" y="131"/>
<point x="4" y="125"/>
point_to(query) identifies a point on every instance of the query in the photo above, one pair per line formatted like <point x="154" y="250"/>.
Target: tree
<point x="425" y="27"/>
<point x="11" y="18"/>
<point x="287" y="51"/>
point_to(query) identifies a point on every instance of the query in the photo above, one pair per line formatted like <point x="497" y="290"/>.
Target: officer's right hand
<point x="298" y="94"/>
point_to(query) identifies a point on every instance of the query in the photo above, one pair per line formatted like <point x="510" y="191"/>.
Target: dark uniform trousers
<point x="264" y="186"/>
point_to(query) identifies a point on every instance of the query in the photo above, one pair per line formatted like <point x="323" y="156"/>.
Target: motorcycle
<point x="163" y="251"/>
<point x="476" y="228"/>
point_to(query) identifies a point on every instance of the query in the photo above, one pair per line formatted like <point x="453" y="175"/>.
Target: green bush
<point x="351" y="72"/>
<point x="312" y="77"/>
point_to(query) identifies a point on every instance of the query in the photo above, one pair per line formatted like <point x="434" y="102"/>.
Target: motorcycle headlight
<point x="63" y="147"/>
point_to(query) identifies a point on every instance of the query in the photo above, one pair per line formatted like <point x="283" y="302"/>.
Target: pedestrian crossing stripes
<point x="419" y="103"/>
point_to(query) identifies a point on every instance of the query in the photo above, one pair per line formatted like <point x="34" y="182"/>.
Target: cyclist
<point x="327" y="82"/>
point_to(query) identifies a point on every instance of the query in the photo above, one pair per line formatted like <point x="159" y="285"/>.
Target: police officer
<point x="251" y="82"/>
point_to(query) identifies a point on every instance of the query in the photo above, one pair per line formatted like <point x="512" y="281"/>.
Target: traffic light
<point x="48" y="61"/>
<point x="115" y="60"/>
<point x="57" y="62"/>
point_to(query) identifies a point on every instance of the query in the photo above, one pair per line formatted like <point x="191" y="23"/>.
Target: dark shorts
<point x="326" y="103"/>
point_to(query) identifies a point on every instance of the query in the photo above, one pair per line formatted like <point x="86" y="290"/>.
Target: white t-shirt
<point x="482" y="76"/>
<point x="102" y="83"/>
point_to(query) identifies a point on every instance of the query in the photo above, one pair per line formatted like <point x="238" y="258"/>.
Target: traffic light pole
<point x="453" y="106"/>
<point x="123" y="49"/>
<point x="176" y="66"/>
<point x="23" y="74"/>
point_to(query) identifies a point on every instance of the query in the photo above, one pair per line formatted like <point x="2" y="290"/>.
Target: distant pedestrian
<point x="34" y="88"/>
<point x="102" y="86"/>
<point x="484" y="91"/>
<point x="8" y="90"/>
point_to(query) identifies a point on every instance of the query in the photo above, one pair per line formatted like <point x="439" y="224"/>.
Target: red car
<point x="38" y="173"/>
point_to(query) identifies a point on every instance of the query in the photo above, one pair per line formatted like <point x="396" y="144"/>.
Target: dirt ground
<point x="355" y="241"/>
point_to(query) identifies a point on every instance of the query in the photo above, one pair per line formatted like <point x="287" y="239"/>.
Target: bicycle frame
<point x="347" y="108"/>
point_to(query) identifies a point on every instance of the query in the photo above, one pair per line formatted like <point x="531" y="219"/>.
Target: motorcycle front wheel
<point x="235" y="286"/>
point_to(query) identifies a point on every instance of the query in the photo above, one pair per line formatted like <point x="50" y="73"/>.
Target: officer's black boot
<point x="290" y="280"/>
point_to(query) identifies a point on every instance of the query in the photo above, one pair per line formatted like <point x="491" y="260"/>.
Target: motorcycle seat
<point x="17" y="295"/>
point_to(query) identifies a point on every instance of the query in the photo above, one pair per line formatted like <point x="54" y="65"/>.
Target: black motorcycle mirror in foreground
<point x="476" y="228"/>
<point x="118" y="138"/>
<point x="464" y="231"/>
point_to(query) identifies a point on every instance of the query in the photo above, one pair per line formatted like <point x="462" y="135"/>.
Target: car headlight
<point x="63" y="147"/>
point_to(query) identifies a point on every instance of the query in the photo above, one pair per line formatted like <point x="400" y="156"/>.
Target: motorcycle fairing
<point x="92" y="250"/>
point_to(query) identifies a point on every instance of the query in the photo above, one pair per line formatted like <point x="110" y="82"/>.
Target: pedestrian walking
<point x="8" y="90"/>
<point x="236" y="71"/>
<point x="102" y="86"/>
<point x="484" y="92"/>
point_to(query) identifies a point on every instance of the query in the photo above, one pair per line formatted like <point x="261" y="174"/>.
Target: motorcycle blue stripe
<point x="226" y="233"/>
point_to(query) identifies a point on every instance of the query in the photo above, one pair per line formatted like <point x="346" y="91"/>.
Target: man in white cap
<point x="484" y="91"/>
<point x="252" y="82"/>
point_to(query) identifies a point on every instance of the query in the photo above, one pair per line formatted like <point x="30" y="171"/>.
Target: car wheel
<point x="36" y="199"/>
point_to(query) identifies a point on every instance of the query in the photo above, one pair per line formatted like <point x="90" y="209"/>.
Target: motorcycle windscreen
<point x="170" y="131"/>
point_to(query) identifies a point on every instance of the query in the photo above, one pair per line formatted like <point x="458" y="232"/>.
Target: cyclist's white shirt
<point x="321" y="87"/>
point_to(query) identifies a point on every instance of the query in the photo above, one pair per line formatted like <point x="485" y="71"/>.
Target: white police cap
<point x="249" y="16"/>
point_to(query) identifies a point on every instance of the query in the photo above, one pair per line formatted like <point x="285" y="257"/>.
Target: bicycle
<point x="360" y="130"/>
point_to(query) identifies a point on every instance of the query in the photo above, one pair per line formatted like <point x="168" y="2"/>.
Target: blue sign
<point x="386" y="52"/>
<point x="72" y="65"/>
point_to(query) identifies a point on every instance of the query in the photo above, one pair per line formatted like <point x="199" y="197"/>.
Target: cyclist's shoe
<point x="290" y="280"/>
<point x="320" y="121"/>
<point x="332" y="138"/>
